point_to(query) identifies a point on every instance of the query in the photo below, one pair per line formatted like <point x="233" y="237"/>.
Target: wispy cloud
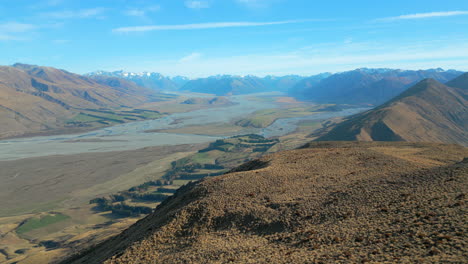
<point x="11" y="30"/>
<point x="5" y="37"/>
<point x="424" y="15"/>
<point x="190" y="58"/>
<point x="14" y="27"/>
<point x="197" y="4"/>
<point x="142" y="12"/>
<point x="135" y="12"/>
<point x="69" y="14"/>
<point x="203" y="26"/>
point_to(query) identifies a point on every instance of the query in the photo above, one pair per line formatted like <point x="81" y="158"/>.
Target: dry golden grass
<point x="37" y="99"/>
<point x="426" y="112"/>
<point x="325" y="203"/>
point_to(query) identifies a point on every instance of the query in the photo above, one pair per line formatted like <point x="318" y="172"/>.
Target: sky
<point x="198" y="38"/>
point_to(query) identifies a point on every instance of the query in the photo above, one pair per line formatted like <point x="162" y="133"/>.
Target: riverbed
<point x="131" y="136"/>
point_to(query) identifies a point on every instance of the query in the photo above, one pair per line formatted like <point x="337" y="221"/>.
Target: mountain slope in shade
<point x="365" y="86"/>
<point x="461" y="82"/>
<point x="34" y="98"/>
<point x="326" y="203"/>
<point x="427" y="112"/>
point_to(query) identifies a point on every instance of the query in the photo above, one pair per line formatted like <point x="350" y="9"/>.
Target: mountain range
<point x="428" y="111"/>
<point x="360" y="86"/>
<point x="152" y="80"/>
<point x="218" y="85"/>
<point x="365" y="86"/>
<point x="35" y="98"/>
<point x="235" y="85"/>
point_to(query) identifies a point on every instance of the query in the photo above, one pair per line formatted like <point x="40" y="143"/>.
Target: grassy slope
<point x="327" y="202"/>
<point x="427" y="112"/>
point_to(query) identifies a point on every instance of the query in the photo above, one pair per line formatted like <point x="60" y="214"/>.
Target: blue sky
<point x="207" y="37"/>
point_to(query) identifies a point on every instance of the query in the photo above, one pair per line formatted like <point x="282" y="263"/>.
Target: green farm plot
<point x="40" y="222"/>
<point x="83" y="118"/>
<point x="202" y="158"/>
<point x="99" y="117"/>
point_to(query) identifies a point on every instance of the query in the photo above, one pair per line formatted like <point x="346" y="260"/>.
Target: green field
<point x="40" y="222"/>
<point x="93" y="117"/>
<point x="201" y="158"/>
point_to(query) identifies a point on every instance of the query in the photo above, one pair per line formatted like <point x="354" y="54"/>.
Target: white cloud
<point x="68" y="14"/>
<point x="203" y="26"/>
<point x="4" y="37"/>
<point x="141" y="12"/>
<point x="425" y="15"/>
<point x="190" y="58"/>
<point x="197" y="4"/>
<point x="135" y="12"/>
<point x="12" y="30"/>
<point x="14" y="27"/>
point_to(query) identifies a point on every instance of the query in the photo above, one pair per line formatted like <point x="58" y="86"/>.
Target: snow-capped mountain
<point x="151" y="80"/>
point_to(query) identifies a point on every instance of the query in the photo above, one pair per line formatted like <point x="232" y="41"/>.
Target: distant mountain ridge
<point x="427" y="112"/>
<point x="152" y="80"/>
<point x="365" y="86"/>
<point x="359" y="86"/>
<point x="234" y="84"/>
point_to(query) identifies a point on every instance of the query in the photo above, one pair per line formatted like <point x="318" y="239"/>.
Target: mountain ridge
<point x="365" y="86"/>
<point x="428" y="111"/>
<point x="151" y="80"/>
<point x="326" y="202"/>
<point x="37" y="98"/>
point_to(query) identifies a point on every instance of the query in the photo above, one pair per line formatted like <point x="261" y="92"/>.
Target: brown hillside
<point x="427" y="112"/>
<point x="325" y="203"/>
<point x="34" y="98"/>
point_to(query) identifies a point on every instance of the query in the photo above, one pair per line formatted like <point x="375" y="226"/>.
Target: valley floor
<point x="46" y="212"/>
